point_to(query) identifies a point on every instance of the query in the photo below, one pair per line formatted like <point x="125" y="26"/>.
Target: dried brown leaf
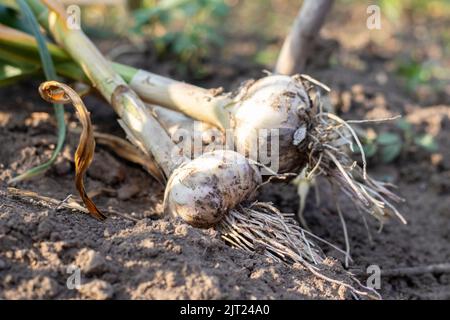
<point x="56" y="92"/>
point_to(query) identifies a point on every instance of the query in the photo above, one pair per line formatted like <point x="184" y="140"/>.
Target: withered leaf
<point x="56" y="92"/>
<point x="129" y="152"/>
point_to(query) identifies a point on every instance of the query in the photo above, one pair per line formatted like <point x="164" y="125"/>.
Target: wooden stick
<point x="297" y="45"/>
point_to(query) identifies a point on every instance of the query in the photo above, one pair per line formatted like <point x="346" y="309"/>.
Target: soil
<point x="166" y="259"/>
<point x="119" y="258"/>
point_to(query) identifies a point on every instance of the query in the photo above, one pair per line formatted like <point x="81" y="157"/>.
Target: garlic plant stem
<point x="132" y="111"/>
<point x="297" y="45"/>
<point x="198" y="103"/>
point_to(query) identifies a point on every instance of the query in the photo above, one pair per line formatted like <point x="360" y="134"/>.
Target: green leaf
<point x="391" y="146"/>
<point x="388" y="138"/>
<point x="390" y="152"/>
<point x="404" y="125"/>
<point x="220" y="9"/>
<point x="141" y="17"/>
<point x="50" y="74"/>
<point x="370" y="149"/>
<point x="10" y="17"/>
<point x="415" y="73"/>
<point x="427" y="142"/>
<point x="10" y="73"/>
<point x="266" y="57"/>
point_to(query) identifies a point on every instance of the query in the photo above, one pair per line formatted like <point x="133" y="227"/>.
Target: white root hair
<point x="328" y="135"/>
<point x="262" y="228"/>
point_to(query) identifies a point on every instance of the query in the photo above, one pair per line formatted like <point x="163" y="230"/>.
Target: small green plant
<point x="185" y="29"/>
<point x="415" y="73"/>
<point x="390" y="145"/>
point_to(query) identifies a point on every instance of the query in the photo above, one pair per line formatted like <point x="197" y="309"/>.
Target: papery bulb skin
<point x="203" y="190"/>
<point x="274" y="102"/>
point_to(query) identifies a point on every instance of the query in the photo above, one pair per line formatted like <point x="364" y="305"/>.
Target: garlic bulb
<point x="271" y="117"/>
<point x="203" y="190"/>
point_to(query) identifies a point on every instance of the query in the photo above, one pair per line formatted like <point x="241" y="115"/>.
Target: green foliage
<point x="11" y="73"/>
<point x="50" y="74"/>
<point x="267" y="56"/>
<point x="390" y="145"/>
<point x="415" y="73"/>
<point x="10" y="17"/>
<point x="427" y="142"/>
<point x="184" y="28"/>
<point x="393" y="9"/>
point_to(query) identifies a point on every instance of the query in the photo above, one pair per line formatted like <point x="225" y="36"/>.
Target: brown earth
<point x="119" y="258"/>
<point x="164" y="259"/>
